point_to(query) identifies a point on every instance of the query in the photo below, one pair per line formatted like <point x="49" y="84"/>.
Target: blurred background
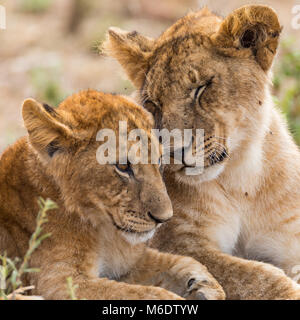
<point x="49" y="50"/>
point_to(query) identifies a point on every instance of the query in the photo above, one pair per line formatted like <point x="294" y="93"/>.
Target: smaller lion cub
<point x="105" y="213"/>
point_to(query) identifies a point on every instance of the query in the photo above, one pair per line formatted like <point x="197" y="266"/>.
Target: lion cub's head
<point x="65" y="142"/>
<point x="205" y="72"/>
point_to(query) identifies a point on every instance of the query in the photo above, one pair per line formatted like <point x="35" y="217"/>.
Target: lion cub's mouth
<point x="139" y="227"/>
<point x="135" y="236"/>
<point x="129" y="229"/>
<point x="211" y="154"/>
<point x="215" y="157"/>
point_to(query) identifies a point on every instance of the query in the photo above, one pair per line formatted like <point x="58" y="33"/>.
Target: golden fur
<point x="102" y="220"/>
<point x="241" y="217"/>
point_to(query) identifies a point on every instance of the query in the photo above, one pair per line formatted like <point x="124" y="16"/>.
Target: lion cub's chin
<point x="136" y="238"/>
<point x="208" y="174"/>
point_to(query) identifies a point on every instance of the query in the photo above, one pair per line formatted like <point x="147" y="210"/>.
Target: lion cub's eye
<point x="124" y="169"/>
<point x="200" y="90"/>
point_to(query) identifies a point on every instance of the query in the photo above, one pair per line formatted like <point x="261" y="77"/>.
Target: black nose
<point x="157" y="220"/>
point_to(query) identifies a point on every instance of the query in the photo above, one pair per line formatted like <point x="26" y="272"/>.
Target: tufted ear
<point x="131" y="50"/>
<point x="47" y="132"/>
<point x="254" y="29"/>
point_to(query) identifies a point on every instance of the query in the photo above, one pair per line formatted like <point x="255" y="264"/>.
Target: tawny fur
<point x="102" y="221"/>
<point x="241" y="217"/>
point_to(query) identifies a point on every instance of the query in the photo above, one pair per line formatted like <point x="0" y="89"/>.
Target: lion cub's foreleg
<point x="245" y="279"/>
<point x="241" y="278"/>
<point x="51" y="284"/>
<point x="182" y="275"/>
<point x="155" y="276"/>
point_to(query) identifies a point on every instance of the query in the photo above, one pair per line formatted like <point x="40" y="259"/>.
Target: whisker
<point x="223" y="150"/>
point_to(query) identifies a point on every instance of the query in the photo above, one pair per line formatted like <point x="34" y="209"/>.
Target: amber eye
<point x="124" y="169"/>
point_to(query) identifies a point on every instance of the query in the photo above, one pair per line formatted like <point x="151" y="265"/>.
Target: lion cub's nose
<point x="161" y="219"/>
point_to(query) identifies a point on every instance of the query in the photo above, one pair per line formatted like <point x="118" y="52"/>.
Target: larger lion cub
<point x="106" y="212"/>
<point x="242" y="214"/>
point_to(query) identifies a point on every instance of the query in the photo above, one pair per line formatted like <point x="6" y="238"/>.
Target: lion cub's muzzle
<point x="209" y="154"/>
<point x="139" y="224"/>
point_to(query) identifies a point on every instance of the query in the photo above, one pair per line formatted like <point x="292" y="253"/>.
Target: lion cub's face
<point x="204" y="73"/>
<point x="132" y="197"/>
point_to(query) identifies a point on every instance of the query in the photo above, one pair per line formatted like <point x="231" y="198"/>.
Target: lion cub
<point x="106" y="212"/>
<point x="241" y="215"/>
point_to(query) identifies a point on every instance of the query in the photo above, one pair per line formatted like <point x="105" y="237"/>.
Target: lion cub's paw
<point x="199" y="283"/>
<point x="202" y="289"/>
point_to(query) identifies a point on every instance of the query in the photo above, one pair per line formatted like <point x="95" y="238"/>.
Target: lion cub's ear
<point x="252" y="28"/>
<point x="131" y="50"/>
<point x="47" y="132"/>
